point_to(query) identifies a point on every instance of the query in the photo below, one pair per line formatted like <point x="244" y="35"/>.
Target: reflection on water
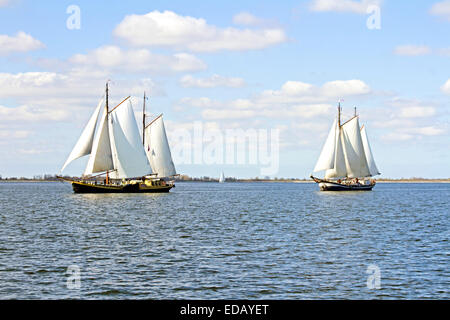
<point x="231" y="240"/>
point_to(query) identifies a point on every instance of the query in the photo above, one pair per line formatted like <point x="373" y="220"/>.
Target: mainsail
<point x="128" y="153"/>
<point x="346" y="153"/>
<point x="355" y="157"/>
<point x="101" y="157"/>
<point x="157" y="148"/>
<point x="84" y="144"/>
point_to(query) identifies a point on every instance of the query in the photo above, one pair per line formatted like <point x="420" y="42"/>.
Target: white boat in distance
<point x="222" y="178"/>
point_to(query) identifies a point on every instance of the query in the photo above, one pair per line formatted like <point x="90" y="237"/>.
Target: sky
<point x="266" y="66"/>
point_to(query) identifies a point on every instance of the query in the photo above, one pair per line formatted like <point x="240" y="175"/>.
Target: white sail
<point x="353" y="148"/>
<point x="368" y="152"/>
<point x="339" y="169"/>
<point x="222" y="178"/>
<point x="158" y="150"/>
<point x="128" y="152"/>
<point x="84" y="144"/>
<point x="327" y="156"/>
<point x="101" y="158"/>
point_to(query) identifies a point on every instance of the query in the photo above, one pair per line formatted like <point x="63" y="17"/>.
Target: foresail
<point x="128" y="152"/>
<point x="327" y="156"/>
<point x="368" y="152"/>
<point x="339" y="168"/>
<point x="101" y="157"/>
<point x="158" y="150"/>
<point x="84" y="144"/>
<point x="355" y="157"/>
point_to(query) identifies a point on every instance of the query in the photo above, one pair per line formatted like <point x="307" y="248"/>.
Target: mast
<point x="143" y="123"/>
<point x="355" y="111"/>
<point x="339" y="114"/>
<point x="107" y="114"/>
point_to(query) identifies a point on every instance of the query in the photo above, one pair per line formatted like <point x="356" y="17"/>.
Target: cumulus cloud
<point x="294" y="99"/>
<point x="50" y="96"/>
<point x="30" y="113"/>
<point x="412" y="50"/>
<point x="408" y="119"/>
<point x="359" y="7"/>
<point x="417" y="112"/>
<point x="397" y="137"/>
<point x="214" y="81"/>
<point x="4" y="3"/>
<point x="300" y="92"/>
<point x="195" y="34"/>
<point x="137" y="61"/>
<point x="441" y="9"/>
<point x="248" y="19"/>
<point x="21" y="42"/>
<point x="446" y="87"/>
<point x="221" y="114"/>
<point x="14" y="134"/>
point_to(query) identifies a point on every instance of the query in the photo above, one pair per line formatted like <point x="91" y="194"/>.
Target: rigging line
<point x="153" y="120"/>
<point x="349" y="120"/>
<point x="119" y="104"/>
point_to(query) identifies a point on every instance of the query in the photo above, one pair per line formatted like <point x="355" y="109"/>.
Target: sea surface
<point x="225" y="241"/>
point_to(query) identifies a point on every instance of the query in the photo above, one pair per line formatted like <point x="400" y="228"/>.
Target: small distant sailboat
<point x="117" y="151"/>
<point x="222" y="178"/>
<point x="346" y="158"/>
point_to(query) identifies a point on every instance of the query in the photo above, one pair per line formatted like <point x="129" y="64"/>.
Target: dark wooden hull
<point x="327" y="185"/>
<point x="81" y="187"/>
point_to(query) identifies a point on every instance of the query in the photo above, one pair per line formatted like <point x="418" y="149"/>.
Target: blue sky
<point x="252" y="64"/>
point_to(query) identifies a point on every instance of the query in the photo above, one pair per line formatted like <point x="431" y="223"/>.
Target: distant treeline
<point x="233" y="179"/>
<point x="44" y="177"/>
<point x="54" y="177"/>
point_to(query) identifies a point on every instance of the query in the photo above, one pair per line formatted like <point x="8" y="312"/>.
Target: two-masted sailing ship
<point x="119" y="160"/>
<point x="346" y="158"/>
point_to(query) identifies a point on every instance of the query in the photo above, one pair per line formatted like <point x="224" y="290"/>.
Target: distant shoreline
<point x="260" y="180"/>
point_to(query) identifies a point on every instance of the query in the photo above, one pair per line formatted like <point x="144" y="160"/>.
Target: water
<point x="225" y="241"/>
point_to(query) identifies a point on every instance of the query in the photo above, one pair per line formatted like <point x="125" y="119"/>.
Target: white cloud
<point x="444" y="51"/>
<point x="405" y="134"/>
<point x="300" y="92"/>
<point x="412" y="108"/>
<point x="397" y="136"/>
<point x="407" y="119"/>
<point x="248" y="19"/>
<point x="202" y="102"/>
<point x="183" y="32"/>
<point x="29" y="113"/>
<point x="21" y="42"/>
<point x="341" y="88"/>
<point x="294" y="100"/>
<point x="137" y="61"/>
<point x="417" y="112"/>
<point x="48" y="96"/>
<point x="441" y="9"/>
<point x="446" y="87"/>
<point x="428" y="131"/>
<point x="215" y="80"/>
<point x="359" y="7"/>
<point x="4" y="3"/>
<point x="14" y="134"/>
<point x="223" y="114"/>
<point x="412" y="50"/>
